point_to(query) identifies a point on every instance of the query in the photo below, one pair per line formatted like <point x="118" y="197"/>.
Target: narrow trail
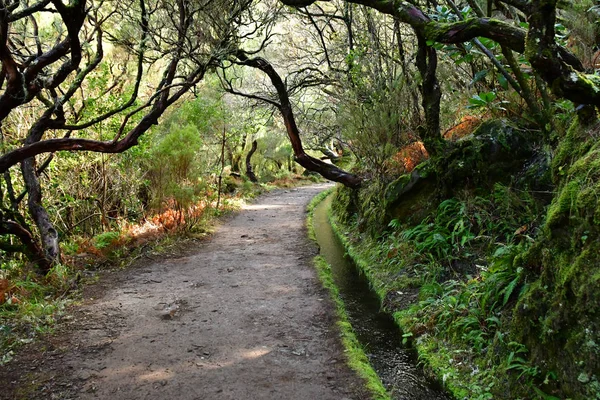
<point x="244" y="317"/>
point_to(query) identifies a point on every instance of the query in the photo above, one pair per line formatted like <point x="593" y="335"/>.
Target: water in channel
<point x="396" y="366"/>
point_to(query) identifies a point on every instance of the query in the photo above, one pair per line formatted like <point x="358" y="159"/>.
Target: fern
<point x="508" y="290"/>
<point x="106" y="239"/>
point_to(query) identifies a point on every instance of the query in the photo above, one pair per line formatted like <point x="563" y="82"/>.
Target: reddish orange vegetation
<point x="7" y="292"/>
<point x="136" y="234"/>
<point x="407" y="158"/>
<point x="168" y="220"/>
<point x="84" y="246"/>
<point x="466" y="126"/>
<point x="4" y="286"/>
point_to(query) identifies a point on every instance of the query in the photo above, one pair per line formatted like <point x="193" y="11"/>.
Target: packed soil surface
<point x="242" y="316"/>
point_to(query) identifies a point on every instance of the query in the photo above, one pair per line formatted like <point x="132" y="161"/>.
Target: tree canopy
<point x="91" y="76"/>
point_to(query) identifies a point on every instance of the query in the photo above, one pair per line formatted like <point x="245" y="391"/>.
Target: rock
<point x="169" y="312"/>
<point x="84" y="375"/>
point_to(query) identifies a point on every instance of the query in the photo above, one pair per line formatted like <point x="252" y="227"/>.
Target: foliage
<point x="174" y="167"/>
<point x="487" y="101"/>
<point x="374" y="127"/>
<point x="448" y="233"/>
<point x="105" y="239"/>
<point x="32" y="308"/>
<point x="462" y="260"/>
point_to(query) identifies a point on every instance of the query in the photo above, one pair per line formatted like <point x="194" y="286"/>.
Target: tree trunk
<point x="13" y="223"/>
<point x="249" y="172"/>
<point x="431" y="96"/>
<point x="223" y="142"/>
<point x="29" y="246"/>
<point x="416" y="114"/>
<point x="48" y="234"/>
<point x="232" y="158"/>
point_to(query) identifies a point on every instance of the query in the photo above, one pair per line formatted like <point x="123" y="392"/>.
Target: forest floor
<point x="242" y="316"/>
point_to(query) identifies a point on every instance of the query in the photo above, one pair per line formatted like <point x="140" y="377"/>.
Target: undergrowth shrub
<point x="374" y="127"/>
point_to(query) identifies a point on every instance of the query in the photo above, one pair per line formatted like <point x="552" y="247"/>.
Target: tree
<point x="47" y="68"/>
<point x="284" y="106"/>
<point x="53" y="54"/>
<point x="558" y="67"/>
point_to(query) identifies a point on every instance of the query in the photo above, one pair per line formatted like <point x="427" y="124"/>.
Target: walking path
<point x="243" y="317"/>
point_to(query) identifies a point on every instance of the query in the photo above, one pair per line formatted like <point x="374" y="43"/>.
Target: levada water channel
<point x="381" y="339"/>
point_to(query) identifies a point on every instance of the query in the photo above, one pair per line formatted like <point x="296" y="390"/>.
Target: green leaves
<point x="488" y="101"/>
<point x="479" y="76"/>
<point x="502" y="81"/>
<point x="447" y="235"/>
<point x="482" y="100"/>
<point x="446" y="14"/>
<point x="106" y="239"/>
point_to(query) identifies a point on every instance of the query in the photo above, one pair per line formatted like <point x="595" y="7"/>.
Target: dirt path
<point x="242" y="318"/>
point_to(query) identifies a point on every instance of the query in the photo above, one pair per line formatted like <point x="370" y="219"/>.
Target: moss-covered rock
<point x="494" y="152"/>
<point x="410" y="197"/>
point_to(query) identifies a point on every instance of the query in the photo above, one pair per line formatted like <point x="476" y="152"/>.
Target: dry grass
<point x="407" y="159"/>
<point x="466" y="126"/>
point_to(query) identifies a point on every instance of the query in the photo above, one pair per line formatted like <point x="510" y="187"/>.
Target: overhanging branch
<point x="328" y="171"/>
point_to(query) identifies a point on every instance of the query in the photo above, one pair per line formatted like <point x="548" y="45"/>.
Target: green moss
<point x="438" y="31"/>
<point x="345" y="202"/>
<point x="357" y="359"/>
<point x="396" y="188"/>
<point x="559" y="317"/>
<point x="562" y="205"/>
<point x="573" y="145"/>
<point x="310" y="208"/>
